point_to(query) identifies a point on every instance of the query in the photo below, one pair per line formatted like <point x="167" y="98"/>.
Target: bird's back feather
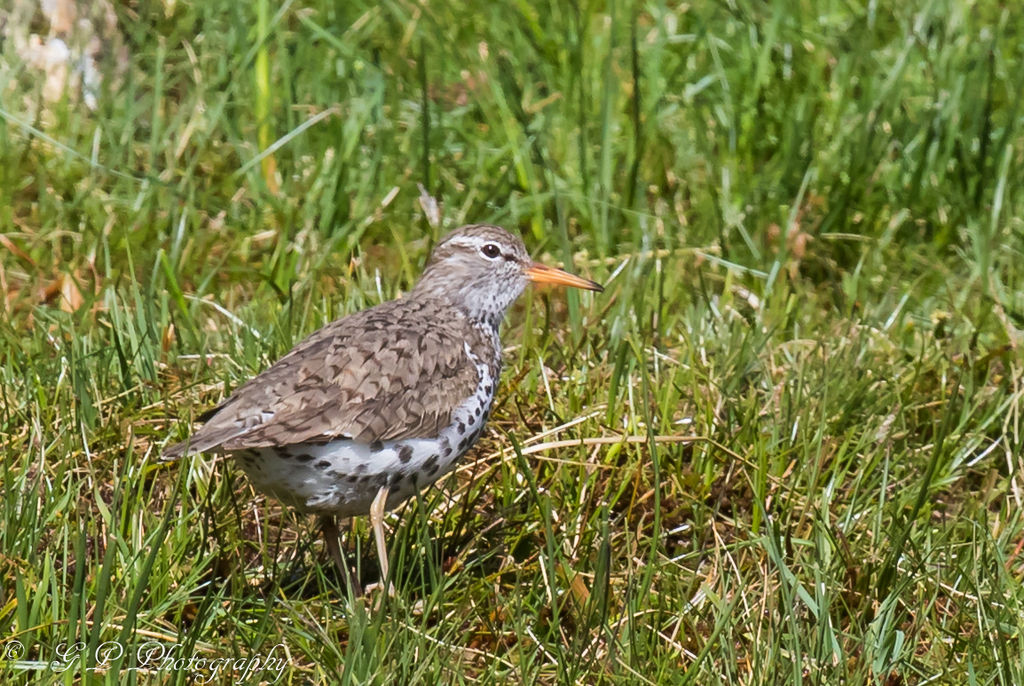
<point x="393" y="371"/>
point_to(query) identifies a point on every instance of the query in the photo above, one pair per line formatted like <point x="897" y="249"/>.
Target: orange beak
<point x="541" y="273"/>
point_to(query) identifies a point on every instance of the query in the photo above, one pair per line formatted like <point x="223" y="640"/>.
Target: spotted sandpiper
<point x="377" y="405"/>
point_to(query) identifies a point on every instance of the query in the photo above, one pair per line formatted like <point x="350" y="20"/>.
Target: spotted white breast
<point x="341" y="477"/>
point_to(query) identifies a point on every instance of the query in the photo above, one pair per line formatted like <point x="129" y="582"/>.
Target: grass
<point x="785" y="443"/>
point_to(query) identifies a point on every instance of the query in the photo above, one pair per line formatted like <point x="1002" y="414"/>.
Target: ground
<point x="784" y="446"/>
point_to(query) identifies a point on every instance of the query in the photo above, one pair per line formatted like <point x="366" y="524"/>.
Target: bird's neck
<point x="485" y="322"/>
<point x="478" y="306"/>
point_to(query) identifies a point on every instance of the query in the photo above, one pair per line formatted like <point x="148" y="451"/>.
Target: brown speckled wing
<point x="394" y="371"/>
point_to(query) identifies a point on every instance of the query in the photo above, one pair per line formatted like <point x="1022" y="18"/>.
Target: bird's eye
<point x="491" y="251"/>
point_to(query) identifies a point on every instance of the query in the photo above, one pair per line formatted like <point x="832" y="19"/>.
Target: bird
<point x="377" y="405"/>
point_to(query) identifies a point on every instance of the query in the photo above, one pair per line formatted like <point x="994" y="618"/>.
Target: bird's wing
<point x="376" y="375"/>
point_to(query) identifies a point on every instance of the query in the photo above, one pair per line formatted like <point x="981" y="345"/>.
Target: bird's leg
<point x="377" y="521"/>
<point x="329" y="526"/>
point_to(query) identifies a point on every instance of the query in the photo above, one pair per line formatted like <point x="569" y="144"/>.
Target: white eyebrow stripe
<point x="476" y="243"/>
<point x="470" y="241"/>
